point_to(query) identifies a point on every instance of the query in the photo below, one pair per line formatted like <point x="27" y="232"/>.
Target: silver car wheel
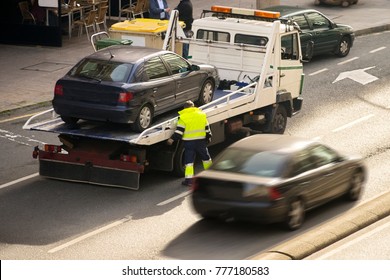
<point x="356" y="188"/>
<point x="206" y="94"/>
<point x="295" y="215"/>
<point x="145" y="117"/>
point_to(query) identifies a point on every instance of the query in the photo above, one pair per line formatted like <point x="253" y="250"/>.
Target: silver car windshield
<point x="263" y="163"/>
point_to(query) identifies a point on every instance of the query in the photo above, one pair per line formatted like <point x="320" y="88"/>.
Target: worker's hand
<point x="167" y="10"/>
<point x="170" y="141"/>
<point x="208" y="140"/>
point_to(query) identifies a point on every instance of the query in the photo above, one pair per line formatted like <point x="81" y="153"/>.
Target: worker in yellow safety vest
<point x="194" y="130"/>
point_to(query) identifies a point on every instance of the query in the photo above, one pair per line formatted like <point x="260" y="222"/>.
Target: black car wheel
<point x="279" y="121"/>
<point x="144" y="119"/>
<point x="344" y="47"/>
<point x="295" y="215"/>
<point x="345" y="3"/>
<point x="206" y="93"/>
<point x="356" y="187"/>
<point x="69" y="120"/>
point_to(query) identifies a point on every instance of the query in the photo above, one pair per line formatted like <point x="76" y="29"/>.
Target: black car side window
<point x="155" y="68"/>
<point x="318" y="21"/>
<point x="301" y="21"/>
<point x="176" y="63"/>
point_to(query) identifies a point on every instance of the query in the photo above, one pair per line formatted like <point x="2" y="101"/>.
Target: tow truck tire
<point x="206" y="93"/>
<point x="144" y="119"/>
<point x="279" y="122"/>
<point x="178" y="161"/>
<point x="69" y="120"/>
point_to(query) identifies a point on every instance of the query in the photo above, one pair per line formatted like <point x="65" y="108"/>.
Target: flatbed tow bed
<point x="113" y="155"/>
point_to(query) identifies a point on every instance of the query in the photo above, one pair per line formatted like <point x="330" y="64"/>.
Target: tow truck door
<point x="290" y="68"/>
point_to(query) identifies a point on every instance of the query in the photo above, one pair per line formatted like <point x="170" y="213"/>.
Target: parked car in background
<point x="320" y="35"/>
<point x="129" y="84"/>
<point x="344" y="3"/>
<point x="273" y="178"/>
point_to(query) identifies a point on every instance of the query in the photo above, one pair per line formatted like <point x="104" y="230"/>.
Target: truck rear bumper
<point x="88" y="173"/>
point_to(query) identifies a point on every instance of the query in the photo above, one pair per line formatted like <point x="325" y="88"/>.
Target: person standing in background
<point x="186" y="14"/>
<point x="159" y="9"/>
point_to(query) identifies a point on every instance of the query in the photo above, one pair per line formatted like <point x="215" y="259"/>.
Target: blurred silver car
<point x="275" y="179"/>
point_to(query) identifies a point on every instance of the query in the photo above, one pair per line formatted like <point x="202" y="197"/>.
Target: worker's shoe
<point x="187" y="182"/>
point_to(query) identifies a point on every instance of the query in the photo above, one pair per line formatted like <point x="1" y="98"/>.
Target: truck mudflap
<point x="89" y="173"/>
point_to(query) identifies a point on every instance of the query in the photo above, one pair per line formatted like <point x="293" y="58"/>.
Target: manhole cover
<point x="47" y="66"/>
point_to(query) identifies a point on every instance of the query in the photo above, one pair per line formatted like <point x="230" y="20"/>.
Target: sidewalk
<point x="28" y="73"/>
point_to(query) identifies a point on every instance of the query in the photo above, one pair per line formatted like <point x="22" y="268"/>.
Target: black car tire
<point x="144" y="118"/>
<point x="69" y="120"/>
<point x="206" y="93"/>
<point x="344" y="47"/>
<point x="356" y="187"/>
<point x="295" y="214"/>
<point x="279" y="121"/>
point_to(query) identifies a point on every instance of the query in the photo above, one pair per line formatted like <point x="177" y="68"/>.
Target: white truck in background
<point x="263" y="59"/>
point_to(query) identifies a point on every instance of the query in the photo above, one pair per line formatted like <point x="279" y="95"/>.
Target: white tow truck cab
<point x="260" y="60"/>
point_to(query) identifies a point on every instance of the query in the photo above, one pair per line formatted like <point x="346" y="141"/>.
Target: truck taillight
<point x="35" y="152"/>
<point x="194" y="184"/>
<point x="59" y="90"/>
<point x="52" y="148"/>
<point x="129" y="158"/>
<point x="125" y="97"/>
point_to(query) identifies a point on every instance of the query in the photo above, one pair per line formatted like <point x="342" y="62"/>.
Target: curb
<point x="324" y="235"/>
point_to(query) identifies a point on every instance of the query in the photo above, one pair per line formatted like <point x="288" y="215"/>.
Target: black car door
<point x="188" y="82"/>
<point x="160" y="85"/>
<point x="323" y="34"/>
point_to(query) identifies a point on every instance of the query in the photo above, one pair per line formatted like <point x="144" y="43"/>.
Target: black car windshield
<point x="259" y="163"/>
<point x="103" y="70"/>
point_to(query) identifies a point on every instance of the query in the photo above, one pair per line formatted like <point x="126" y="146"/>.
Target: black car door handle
<point x="155" y="90"/>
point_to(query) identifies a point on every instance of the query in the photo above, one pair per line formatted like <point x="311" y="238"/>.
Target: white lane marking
<point x="17" y="118"/>
<point x="358" y="75"/>
<point x="17" y="138"/>
<point x="174" y="198"/>
<point x="18" y="180"/>
<point x="354" y="241"/>
<point x="85" y="236"/>
<point x="378" y="49"/>
<point x="353" y="123"/>
<point x="347" y="61"/>
<point x="318" y="72"/>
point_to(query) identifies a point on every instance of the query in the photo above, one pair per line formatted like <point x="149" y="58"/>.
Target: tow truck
<point x="263" y="57"/>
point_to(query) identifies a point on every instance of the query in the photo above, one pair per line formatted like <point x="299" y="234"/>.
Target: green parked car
<point x="320" y="35"/>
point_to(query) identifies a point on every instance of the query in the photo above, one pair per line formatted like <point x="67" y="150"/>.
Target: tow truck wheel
<point x="279" y="121"/>
<point x="206" y="93"/>
<point x="178" y="161"/>
<point x="345" y="4"/>
<point x="144" y="119"/>
<point x="69" y="120"/>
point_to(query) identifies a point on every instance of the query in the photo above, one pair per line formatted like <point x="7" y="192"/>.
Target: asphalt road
<point x="49" y="219"/>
